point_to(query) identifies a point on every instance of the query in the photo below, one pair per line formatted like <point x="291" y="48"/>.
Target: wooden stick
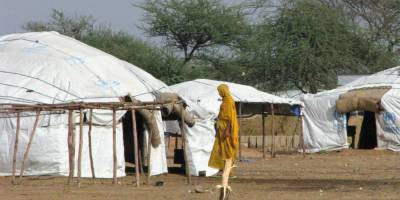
<point x="240" y="143"/>
<point x="136" y="152"/>
<point x="80" y="147"/>
<point x="185" y="148"/>
<point x="90" y="144"/>
<point x="16" y="147"/>
<point x="148" y="157"/>
<point x="73" y="147"/>
<point x="70" y="146"/>
<point x="263" y="130"/>
<point x="29" y="146"/>
<point x="114" y="148"/>
<point x="273" y="131"/>
<point x="302" y="138"/>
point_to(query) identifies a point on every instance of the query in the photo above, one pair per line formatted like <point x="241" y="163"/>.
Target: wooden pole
<point x="90" y="144"/>
<point x="185" y="148"/>
<point x="136" y="148"/>
<point x="302" y="138"/>
<point x="114" y="148"/>
<point x="71" y="150"/>
<point x="273" y="131"/>
<point x="148" y="157"/>
<point x="29" y="146"/>
<point x="16" y="147"/>
<point x="80" y="147"/>
<point x="263" y="130"/>
<point x="240" y="128"/>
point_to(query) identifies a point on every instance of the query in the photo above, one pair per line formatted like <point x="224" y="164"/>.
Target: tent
<point x="203" y="102"/>
<point x="50" y="68"/>
<point x="325" y="121"/>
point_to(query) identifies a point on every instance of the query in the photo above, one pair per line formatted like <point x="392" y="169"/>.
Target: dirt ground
<point x="350" y="174"/>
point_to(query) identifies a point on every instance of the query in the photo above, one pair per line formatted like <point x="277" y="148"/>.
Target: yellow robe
<point x="225" y="147"/>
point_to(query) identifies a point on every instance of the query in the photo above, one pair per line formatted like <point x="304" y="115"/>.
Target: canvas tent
<point x="324" y="123"/>
<point x="203" y="102"/>
<point x="50" y="68"/>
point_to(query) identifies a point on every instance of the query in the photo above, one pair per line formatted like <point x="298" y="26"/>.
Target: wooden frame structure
<point x="264" y="112"/>
<point x="17" y="109"/>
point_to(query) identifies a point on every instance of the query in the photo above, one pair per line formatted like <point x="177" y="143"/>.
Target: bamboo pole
<point x="136" y="152"/>
<point x="114" y="122"/>
<point x="240" y="141"/>
<point x="16" y="147"/>
<point x="29" y="146"/>
<point x="185" y="148"/>
<point x="263" y="130"/>
<point x="273" y="131"/>
<point x="80" y="147"/>
<point x="70" y="146"/>
<point x="90" y="144"/>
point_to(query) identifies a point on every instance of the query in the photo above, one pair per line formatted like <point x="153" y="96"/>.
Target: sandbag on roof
<point x="361" y="99"/>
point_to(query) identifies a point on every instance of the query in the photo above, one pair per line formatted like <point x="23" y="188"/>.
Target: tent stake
<point x="136" y="152"/>
<point x="80" y="147"/>
<point x="29" y="146"/>
<point x="71" y="149"/>
<point x="185" y="147"/>
<point x="16" y="147"/>
<point x="90" y="144"/>
<point x="240" y="140"/>
<point x="114" y="148"/>
<point x="263" y="130"/>
<point x="273" y="131"/>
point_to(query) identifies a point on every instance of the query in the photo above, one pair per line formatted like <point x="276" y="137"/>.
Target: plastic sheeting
<point x="325" y="129"/>
<point x="47" y="67"/>
<point x="203" y="102"/>
<point x="204" y="93"/>
<point x="49" y="151"/>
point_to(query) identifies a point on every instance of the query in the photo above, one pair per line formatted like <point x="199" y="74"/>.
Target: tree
<point x="161" y="63"/>
<point x="194" y="25"/>
<point x="76" y="26"/>
<point x="380" y="17"/>
<point x="306" y="46"/>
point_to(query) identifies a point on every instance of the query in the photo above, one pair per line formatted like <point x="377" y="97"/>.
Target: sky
<point x="119" y="14"/>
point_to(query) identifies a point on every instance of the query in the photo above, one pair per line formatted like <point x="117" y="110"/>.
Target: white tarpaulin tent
<point x="325" y="129"/>
<point x="47" y="67"/>
<point x="204" y="102"/>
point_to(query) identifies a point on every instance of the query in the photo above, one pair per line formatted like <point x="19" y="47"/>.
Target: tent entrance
<point x="361" y="128"/>
<point x="129" y="147"/>
<point x="367" y="100"/>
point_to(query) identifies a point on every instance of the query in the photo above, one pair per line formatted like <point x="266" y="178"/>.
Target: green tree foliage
<point x="194" y="25"/>
<point x="381" y="18"/>
<point x="76" y="26"/>
<point x="159" y="62"/>
<point x="306" y="46"/>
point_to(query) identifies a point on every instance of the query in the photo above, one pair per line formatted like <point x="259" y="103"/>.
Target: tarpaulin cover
<point x="325" y="129"/>
<point x="47" y="67"/>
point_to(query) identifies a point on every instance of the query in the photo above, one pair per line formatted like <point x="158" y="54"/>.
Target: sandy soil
<point x="350" y="174"/>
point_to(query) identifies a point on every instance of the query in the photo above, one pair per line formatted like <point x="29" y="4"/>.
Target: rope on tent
<point x="31" y="90"/>
<point x="43" y="81"/>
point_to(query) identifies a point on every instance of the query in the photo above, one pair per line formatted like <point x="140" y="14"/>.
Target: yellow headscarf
<point x="225" y="147"/>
